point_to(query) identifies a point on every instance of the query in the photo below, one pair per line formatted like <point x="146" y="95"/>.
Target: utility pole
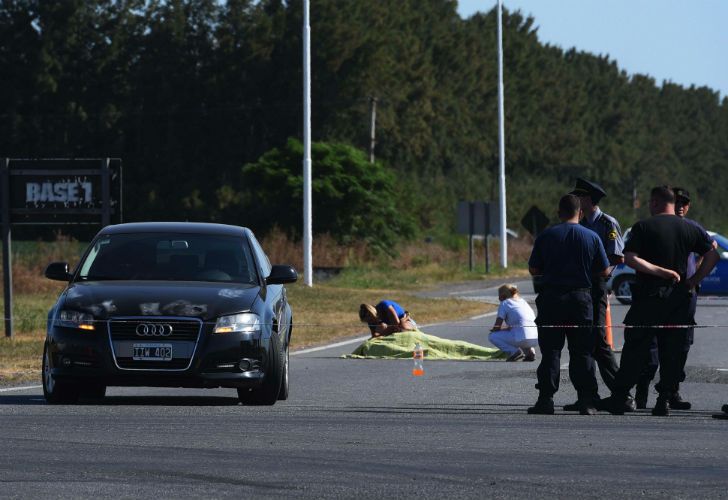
<point x="372" y="126"/>
<point x="502" y="144"/>
<point x="307" y="217"/>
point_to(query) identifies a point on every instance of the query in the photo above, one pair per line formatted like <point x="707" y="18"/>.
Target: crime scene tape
<point x="352" y="325"/>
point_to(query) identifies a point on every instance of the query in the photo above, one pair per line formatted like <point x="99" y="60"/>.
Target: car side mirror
<point x="281" y="274"/>
<point x="58" y="271"/>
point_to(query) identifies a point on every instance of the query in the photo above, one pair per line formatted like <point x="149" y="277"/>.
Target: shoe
<point x="676" y="402"/>
<point x="543" y="406"/>
<point x="661" y="407"/>
<point x="725" y="408"/>
<point x="613" y="404"/>
<point x="640" y="396"/>
<point x="516" y="356"/>
<point x="630" y="405"/>
<point x="530" y="354"/>
<point x="572" y="407"/>
<point x="587" y="408"/>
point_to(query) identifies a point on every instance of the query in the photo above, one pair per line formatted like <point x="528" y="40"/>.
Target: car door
<point x="716" y="283"/>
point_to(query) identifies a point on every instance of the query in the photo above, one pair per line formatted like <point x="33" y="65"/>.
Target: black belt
<point x="564" y="289"/>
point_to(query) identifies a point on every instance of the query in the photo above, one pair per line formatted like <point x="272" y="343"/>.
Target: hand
<point x="670" y="274"/>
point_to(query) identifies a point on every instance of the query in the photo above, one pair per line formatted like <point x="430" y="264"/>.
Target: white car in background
<point x="716" y="283"/>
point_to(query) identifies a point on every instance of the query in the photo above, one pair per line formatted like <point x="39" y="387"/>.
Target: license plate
<point x="152" y="352"/>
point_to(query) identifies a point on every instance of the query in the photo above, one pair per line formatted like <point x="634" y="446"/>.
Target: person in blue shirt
<point x="385" y="318"/>
<point x="567" y="256"/>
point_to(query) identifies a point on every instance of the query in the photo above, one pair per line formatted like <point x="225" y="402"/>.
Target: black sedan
<point x="170" y="305"/>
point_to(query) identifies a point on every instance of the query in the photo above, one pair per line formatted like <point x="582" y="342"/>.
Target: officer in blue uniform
<point x="609" y="232"/>
<point x="566" y="256"/>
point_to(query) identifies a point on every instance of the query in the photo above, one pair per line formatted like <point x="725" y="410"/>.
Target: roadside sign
<point x="44" y="191"/>
<point x="535" y="221"/>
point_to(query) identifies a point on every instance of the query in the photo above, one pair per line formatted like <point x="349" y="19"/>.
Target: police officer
<point x="682" y="207"/>
<point x="566" y="256"/>
<point x="609" y="232"/>
<point x="658" y="250"/>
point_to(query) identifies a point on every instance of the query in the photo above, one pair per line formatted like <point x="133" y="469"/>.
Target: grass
<point x="325" y="312"/>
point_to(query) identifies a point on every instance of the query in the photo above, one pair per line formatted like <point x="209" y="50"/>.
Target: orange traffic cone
<point x="608" y="325"/>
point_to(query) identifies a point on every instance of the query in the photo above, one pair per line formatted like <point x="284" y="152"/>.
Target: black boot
<point x="661" y="407"/>
<point x="676" y="402"/>
<point x="725" y="408"/>
<point x="640" y="396"/>
<point x="616" y="404"/>
<point x="544" y="406"/>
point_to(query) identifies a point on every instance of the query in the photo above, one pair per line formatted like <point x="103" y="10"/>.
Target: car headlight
<point x="76" y="319"/>
<point x="243" y="323"/>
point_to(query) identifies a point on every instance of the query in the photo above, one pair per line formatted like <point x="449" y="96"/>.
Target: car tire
<point x="283" y="393"/>
<point x="93" y="392"/>
<point x="267" y="393"/>
<point x="56" y="391"/>
<point x="622" y="288"/>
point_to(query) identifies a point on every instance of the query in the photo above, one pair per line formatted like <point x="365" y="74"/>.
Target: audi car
<point x="170" y="305"/>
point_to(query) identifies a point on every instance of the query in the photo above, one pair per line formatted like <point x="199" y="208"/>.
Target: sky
<point x="685" y="42"/>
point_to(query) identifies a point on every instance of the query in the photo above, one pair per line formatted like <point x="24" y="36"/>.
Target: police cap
<point x="681" y="194"/>
<point x="587" y="188"/>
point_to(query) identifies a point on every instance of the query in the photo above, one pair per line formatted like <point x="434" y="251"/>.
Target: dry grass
<point x="324" y="313"/>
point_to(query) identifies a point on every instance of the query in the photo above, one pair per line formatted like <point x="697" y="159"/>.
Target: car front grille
<point x="126" y="329"/>
<point x="159" y="330"/>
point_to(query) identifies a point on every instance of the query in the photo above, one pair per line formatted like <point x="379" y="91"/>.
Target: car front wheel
<point x="622" y="288"/>
<point x="267" y="393"/>
<point x="56" y="391"/>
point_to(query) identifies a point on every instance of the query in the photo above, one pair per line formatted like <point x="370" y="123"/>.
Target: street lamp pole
<point x="501" y="145"/>
<point x="307" y="217"/>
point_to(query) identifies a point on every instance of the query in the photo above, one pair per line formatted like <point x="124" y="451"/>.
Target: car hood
<point x="105" y="299"/>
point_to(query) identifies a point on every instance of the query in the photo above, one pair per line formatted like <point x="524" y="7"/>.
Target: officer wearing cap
<point x="682" y="206"/>
<point x="609" y="232"/>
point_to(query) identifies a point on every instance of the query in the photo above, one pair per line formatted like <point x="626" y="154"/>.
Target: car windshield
<point x="167" y="256"/>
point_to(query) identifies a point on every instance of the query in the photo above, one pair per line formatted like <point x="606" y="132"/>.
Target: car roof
<point x="176" y="227"/>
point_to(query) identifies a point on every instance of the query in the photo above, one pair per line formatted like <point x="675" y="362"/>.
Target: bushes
<point x="352" y="199"/>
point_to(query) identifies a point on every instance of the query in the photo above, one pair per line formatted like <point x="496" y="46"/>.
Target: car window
<point x="167" y="256"/>
<point x="265" y="266"/>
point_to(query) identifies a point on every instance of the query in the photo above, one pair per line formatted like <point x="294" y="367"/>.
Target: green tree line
<point x="196" y="96"/>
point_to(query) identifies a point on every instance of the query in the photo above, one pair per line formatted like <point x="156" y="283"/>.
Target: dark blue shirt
<point x="568" y="254"/>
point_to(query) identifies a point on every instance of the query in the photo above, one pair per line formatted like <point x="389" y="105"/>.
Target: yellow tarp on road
<point x="400" y="346"/>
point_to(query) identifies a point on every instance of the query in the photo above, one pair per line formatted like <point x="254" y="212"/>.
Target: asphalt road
<point x="367" y="428"/>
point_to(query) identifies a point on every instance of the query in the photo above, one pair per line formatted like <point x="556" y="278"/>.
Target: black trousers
<point x="566" y="308"/>
<point x="652" y="360"/>
<point x="603" y="354"/>
<point x="661" y="305"/>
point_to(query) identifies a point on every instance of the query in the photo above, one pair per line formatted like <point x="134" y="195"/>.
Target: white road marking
<point x="722" y="369"/>
<point x="23" y="388"/>
<point x="330" y="346"/>
<point x="481" y="316"/>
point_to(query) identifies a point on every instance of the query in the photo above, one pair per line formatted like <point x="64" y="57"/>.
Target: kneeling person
<point x="514" y="331"/>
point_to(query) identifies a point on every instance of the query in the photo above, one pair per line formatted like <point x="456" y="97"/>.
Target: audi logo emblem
<point x="154" y="330"/>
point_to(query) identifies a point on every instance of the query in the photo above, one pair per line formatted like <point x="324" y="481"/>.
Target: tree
<point x="352" y="198"/>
